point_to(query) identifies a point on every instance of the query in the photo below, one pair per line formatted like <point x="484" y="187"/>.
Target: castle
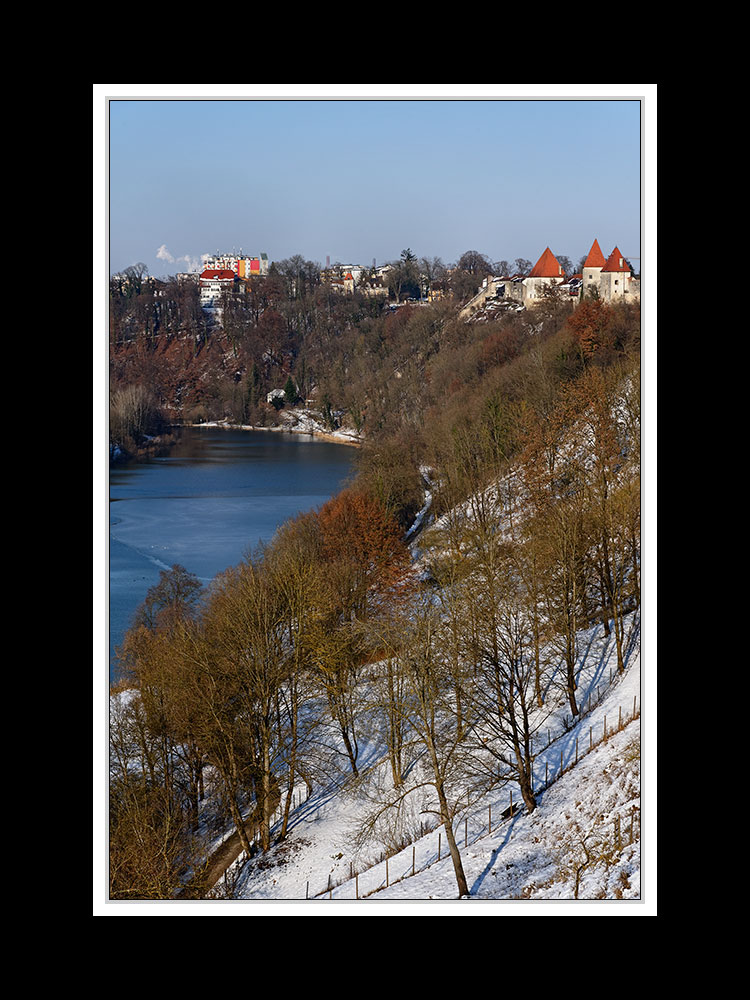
<point x="607" y="278"/>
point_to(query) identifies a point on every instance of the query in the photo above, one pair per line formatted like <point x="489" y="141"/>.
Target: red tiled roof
<point x="546" y="267"/>
<point x="616" y="262"/>
<point x="224" y="274"/>
<point x="596" y="257"/>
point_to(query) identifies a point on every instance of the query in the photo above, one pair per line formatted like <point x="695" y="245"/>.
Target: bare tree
<point x="246" y="628"/>
<point x="415" y="643"/>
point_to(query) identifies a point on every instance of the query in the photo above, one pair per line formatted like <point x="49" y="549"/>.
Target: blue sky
<point x="362" y="179"/>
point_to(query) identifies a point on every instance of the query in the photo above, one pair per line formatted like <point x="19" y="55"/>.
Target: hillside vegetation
<point x="414" y="639"/>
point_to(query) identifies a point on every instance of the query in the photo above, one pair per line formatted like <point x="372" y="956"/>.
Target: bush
<point x="134" y="415"/>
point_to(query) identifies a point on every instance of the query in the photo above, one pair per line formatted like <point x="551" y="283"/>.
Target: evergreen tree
<point x="290" y="391"/>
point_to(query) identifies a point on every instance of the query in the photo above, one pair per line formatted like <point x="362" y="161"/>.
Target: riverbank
<point x="153" y="445"/>
<point x="295" y="422"/>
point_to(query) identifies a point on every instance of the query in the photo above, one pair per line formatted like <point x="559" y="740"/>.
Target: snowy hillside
<point x="584" y="836"/>
<point x="581" y="844"/>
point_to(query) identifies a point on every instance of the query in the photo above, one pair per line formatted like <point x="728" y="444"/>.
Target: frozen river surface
<point x="207" y="504"/>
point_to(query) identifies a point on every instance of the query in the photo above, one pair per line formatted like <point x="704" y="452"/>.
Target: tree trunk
<point x="239" y="824"/>
<point x="265" y="805"/>
<point x="571" y="687"/>
<point x="394" y="725"/>
<point x="349" y="749"/>
<point x="336" y="703"/>
<point x="458" y="868"/>
<point x="292" y="763"/>
<point x="537" y="667"/>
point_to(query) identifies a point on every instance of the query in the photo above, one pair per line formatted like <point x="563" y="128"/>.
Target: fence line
<point x="508" y="813"/>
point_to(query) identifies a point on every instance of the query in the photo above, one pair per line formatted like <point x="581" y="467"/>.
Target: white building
<point x="213" y="283"/>
<point x="592" y="269"/>
<point x="616" y="280"/>
<point x="242" y="264"/>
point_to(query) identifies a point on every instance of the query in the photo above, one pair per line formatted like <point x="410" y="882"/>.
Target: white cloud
<point x="163" y="254"/>
<point x="191" y="263"/>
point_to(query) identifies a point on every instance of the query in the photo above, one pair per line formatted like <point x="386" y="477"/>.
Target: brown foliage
<point x="501" y="346"/>
<point x="362" y="545"/>
<point x="603" y="331"/>
<point x="588" y="323"/>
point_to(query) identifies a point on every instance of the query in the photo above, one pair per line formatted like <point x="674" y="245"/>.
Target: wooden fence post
<point x="440" y="837"/>
<point x="413" y="859"/>
<point x="356" y="884"/>
<point x="489" y="818"/>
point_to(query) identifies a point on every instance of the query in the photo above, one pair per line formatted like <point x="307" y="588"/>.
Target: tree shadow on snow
<point x="487" y="870"/>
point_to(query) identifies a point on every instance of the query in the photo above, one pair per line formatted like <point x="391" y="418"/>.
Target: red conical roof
<point x="546" y="267"/>
<point x="595" y="258"/>
<point x="616" y="262"/>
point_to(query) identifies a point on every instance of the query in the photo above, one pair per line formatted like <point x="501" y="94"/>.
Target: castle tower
<point x="592" y="269"/>
<point x="614" y="280"/>
<point x="546" y="271"/>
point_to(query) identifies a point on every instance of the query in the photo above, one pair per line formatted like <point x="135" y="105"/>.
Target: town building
<point x="213" y="283"/>
<point x="243" y="265"/>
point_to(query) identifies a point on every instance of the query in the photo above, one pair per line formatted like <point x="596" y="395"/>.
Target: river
<point x="207" y="504"/>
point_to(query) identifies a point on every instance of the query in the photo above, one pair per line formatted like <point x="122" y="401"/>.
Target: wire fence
<point x="396" y="867"/>
<point x="553" y="770"/>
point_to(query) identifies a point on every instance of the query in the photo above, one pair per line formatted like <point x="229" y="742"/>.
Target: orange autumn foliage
<point x="588" y="322"/>
<point x="361" y="546"/>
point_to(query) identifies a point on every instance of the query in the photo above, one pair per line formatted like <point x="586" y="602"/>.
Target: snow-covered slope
<point x="584" y="837"/>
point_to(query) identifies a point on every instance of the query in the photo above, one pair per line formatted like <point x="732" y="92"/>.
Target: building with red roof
<point x="547" y="267"/>
<point x="595" y="256"/>
<point x="213" y="283"/>
<point x="544" y="274"/>
<point x="243" y="265"/>
<point x="616" y="262"/>
<point x="592" y="268"/>
<point x="616" y="279"/>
